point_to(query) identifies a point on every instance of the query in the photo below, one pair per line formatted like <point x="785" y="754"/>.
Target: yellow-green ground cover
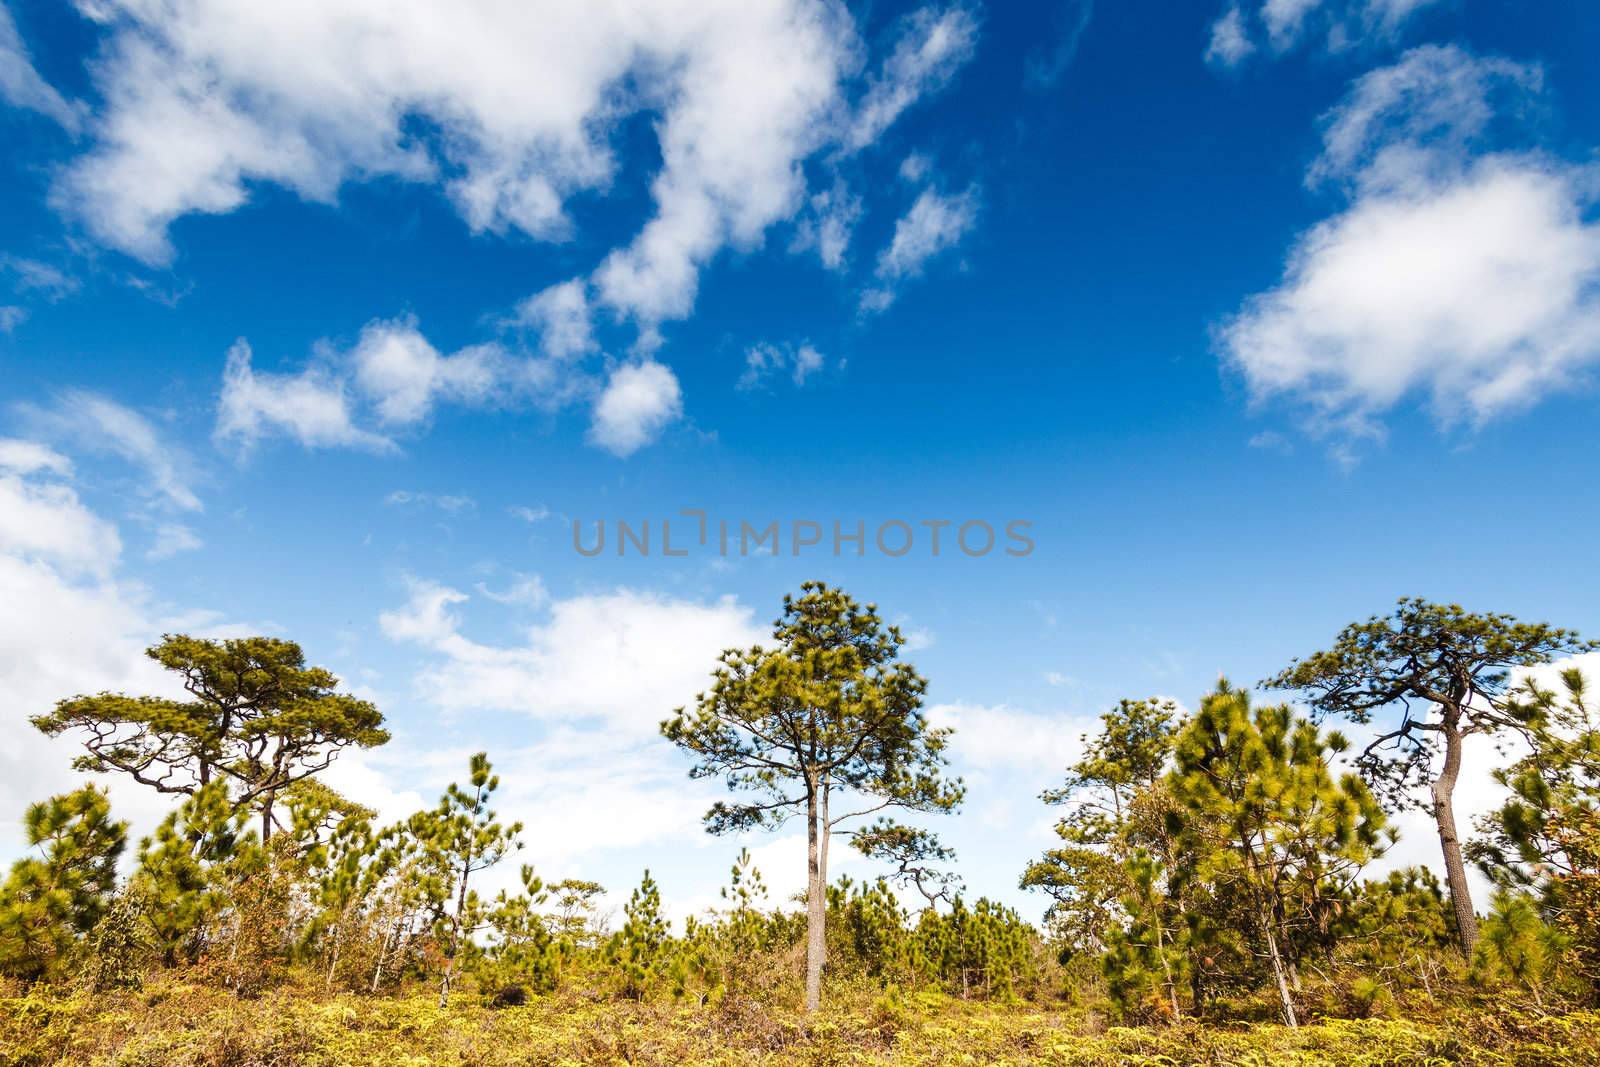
<point x="192" y="1026"/>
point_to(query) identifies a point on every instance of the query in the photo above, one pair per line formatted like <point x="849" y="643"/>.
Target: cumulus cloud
<point x="392" y="380"/>
<point x="935" y="223"/>
<point x="405" y="376"/>
<point x="762" y="361"/>
<point x="1230" y="41"/>
<point x="1282" y="25"/>
<point x="84" y="629"/>
<point x="639" y="401"/>
<point x="43" y="521"/>
<point x="313" y="407"/>
<point x="30" y="457"/>
<point x="1465" y="277"/>
<point x="20" y="84"/>
<point x="204" y="98"/>
<point x="511" y="109"/>
<point x="565" y="670"/>
<point x="1004" y="740"/>
<point x="562" y="317"/>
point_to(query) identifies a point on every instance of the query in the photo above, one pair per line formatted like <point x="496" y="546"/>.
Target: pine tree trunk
<point x="1282" y="978"/>
<point x="455" y="934"/>
<point x="816" y="903"/>
<point x="266" y="817"/>
<point x="1166" y="966"/>
<point x="333" y="962"/>
<point x="1444" y="815"/>
<point x="383" y="953"/>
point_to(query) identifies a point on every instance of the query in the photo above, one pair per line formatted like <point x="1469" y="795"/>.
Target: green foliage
<point x="640" y="951"/>
<point x="914" y="854"/>
<point x="1517" y="944"/>
<point x="457" y="839"/>
<point x="1204" y="866"/>
<point x="51" y="900"/>
<point x="1453" y="663"/>
<point x="523" y="950"/>
<point x="190" y="1026"/>
<point x="1115" y="809"/>
<point x="1290" y="837"/>
<point x="117" y="947"/>
<point x="258" y="718"/>
<point x="830" y="715"/>
<point x="187" y="869"/>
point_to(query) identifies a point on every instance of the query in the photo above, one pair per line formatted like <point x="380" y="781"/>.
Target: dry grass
<point x="177" y="1025"/>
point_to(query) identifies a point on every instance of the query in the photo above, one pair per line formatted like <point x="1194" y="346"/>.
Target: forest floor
<point x="179" y="1025"/>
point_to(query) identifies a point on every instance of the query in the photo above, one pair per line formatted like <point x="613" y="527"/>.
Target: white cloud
<point x="1285" y="24"/>
<point x="512" y="108"/>
<point x="204" y="98"/>
<point x="563" y="319"/>
<point x="313" y="407"/>
<point x="532" y="516"/>
<point x="931" y="46"/>
<point x="45" y="522"/>
<point x="12" y="316"/>
<point x="453" y="503"/>
<point x="102" y="425"/>
<point x="1004" y="739"/>
<point x="935" y="223"/>
<point x="1415" y="122"/>
<point x="20" y="84"/>
<point x="567" y="668"/>
<point x="391" y="380"/>
<point x="527" y="590"/>
<point x="30" y="457"/>
<point x="33" y="275"/>
<point x="84" y="630"/>
<point x="171" y="539"/>
<point x="762" y="361"/>
<point x="828" y="224"/>
<point x="639" y="401"/>
<point x="404" y="376"/>
<point x="1046" y="66"/>
<point x="915" y="167"/>
<point x="751" y="102"/>
<point x="1470" y="280"/>
<point x="1230" y="42"/>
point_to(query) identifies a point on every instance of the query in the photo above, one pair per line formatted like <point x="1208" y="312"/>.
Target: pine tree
<point x="1558" y="779"/>
<point x="828" y="716"/>
<point x="186" y="869"/>
<point x="1112" y="799"/>
<point x="1518" y="944"/>
<point x="258" y="717"/>
<point x="51" y="900"/>
<point x="1453" y="663"/>
<point x="640" y="950"/>
<point x="524" y="951"/>
<point x="914" y="853"/>
<point x="1112" y="880"/>
<point x="1289" y="829"/>
<point x="461" y="837"/>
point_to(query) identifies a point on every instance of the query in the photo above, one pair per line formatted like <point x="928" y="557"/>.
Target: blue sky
<point x="330" y="323"/>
